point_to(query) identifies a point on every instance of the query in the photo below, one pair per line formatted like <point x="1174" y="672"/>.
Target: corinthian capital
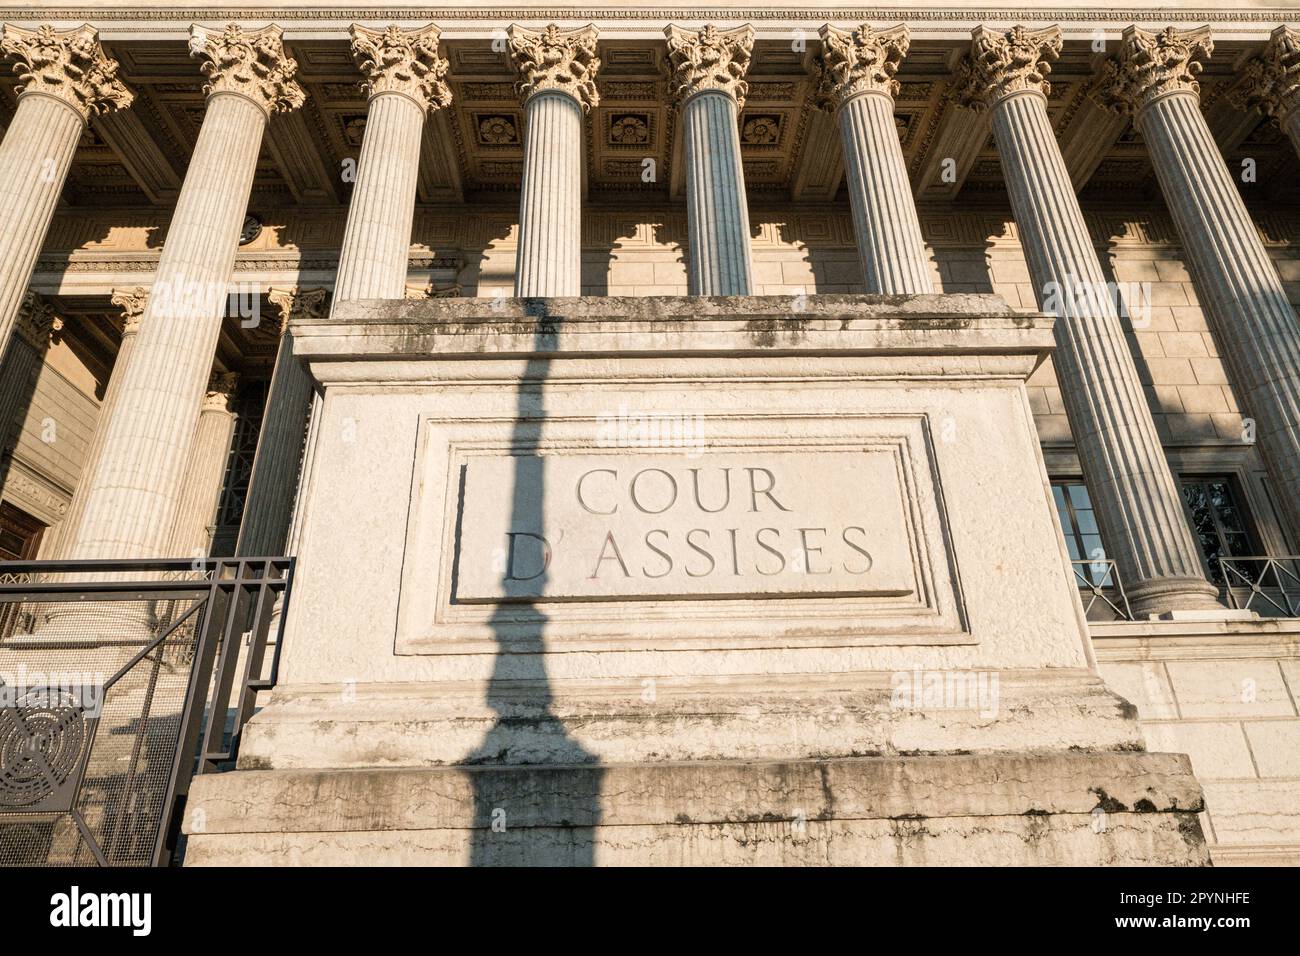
<point x="132" y="302"/>
<point x="1001" y="64"/>
<point x="402" y="61"/>
<point x="220" y="395"/>
<point x="299" y="304"/>
<point x="69" y="65"/>
<point x="710" y="59"/>
<point x="1149" y="65"/>
<point x="252" y="63"/>
<point x="1273" y="79"/>
<point x="859" y="61"/>
<point x="38" y="323"/>
<point x="556" y="60"/>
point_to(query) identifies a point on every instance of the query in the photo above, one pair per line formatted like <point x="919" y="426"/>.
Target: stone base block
<point x="756" y="718"/>
<point x="988" y="809"/>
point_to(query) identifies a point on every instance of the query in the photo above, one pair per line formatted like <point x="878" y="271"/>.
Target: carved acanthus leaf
<point x="1149" y="65"/>
<point x="556" y="60"/>
<point x="252" y="63"/>
<point x="1273" y="79"/>
<point x="221" y="390"/>
<point x="1001" y="64"/>
<point x="132" y="302"/>
<point x="300" y="304"/>
<point x="38" y="323"/>
<point x="67" y="64"/>
<point x="858" y="61"/>
<point x="710" y="59"/>
<point x="402" y="61"/>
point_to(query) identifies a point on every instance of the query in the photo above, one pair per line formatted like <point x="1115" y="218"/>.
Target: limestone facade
<point x="256" y="172"/>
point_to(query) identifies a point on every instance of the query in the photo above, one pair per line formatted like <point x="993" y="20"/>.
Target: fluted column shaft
<point x="133" y="492"/>
<point x="64" y="78"/>
<point x="95" y="452"/>
<point x="273" y="486"/>
<point x="1133" y="491"/>
<point x="549" y="257"/>
<point x="716" y="212"/>
<point x="885" y="222"/>
<point x="23" y="358"/>
<point x="34" y="160"/>
<point x="1291" y="126"/>
<point x="376" y="248"/>
<point x="1236" y="279"/>
<point x="205" y="472"/>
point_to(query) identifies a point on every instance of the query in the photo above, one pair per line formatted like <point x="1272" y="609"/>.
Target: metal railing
<point x="1268" y="585"/>
<point x="118" y="681"/>
<point x="1101" y="589"/>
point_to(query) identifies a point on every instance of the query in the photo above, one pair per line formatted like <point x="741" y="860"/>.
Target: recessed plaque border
<point x="429" y="621"/>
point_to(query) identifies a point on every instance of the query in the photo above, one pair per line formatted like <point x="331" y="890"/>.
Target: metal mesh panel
<point x="96" y="693"/>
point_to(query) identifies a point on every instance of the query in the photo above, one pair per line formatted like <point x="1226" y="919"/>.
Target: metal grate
<point x="116" y="680"/>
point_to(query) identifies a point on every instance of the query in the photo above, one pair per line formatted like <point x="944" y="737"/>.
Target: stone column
<point x="37" y="325"/>
<point x="1154" y="77"/>
<point x="65" y="78"/>
<point x="132" y="303"/>
<point x="205" y="471"/>
<point x="556" y="83"/>
<point x="273" y="486"/>
<point x="709" y="85"/>
<point x="404" y="78"/>
<point x="857" y="84"/>
<point x="134" y="488"/>
<point x="1273" y="81"/>
<point x="1133" y="491"/>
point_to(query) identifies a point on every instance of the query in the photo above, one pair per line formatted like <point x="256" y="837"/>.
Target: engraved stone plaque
<point x="677" y="526"/>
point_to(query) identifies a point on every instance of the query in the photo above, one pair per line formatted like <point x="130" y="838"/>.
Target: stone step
<point x="1016" y="808"/>
<point x="759" y="720"/>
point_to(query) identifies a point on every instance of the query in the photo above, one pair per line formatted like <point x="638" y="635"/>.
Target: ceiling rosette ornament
<point x="69" y="65"/>
<point x="710" y="59"/>
<point x="250" y="63"/>
<point x="556" y="60"/>
<point x="402" y="61"/>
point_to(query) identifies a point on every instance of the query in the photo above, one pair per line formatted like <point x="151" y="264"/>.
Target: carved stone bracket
<point x="556" y="60"/>
<point x="710" y="59"/>
<point x="402" y="61"/>
<point x="69" y="65"/>
<point x="858" y="61"/>
<point x="1002" y="64"/>
<point x="251" y="63"/>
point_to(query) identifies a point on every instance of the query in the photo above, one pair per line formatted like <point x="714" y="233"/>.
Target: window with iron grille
<point x="1079" y="525"/>
<point x="1219" y="520"/>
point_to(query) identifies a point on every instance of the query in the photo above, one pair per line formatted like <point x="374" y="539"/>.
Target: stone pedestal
<point x="738" y="554"/>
